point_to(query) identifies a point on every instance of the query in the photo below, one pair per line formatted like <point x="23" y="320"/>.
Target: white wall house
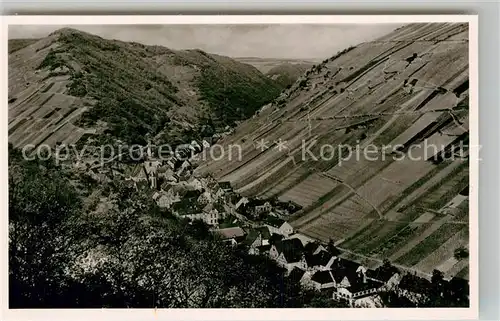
<point x="284" y="229"/>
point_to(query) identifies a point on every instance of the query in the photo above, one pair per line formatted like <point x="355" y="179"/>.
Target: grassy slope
<point x="16" y="44"/>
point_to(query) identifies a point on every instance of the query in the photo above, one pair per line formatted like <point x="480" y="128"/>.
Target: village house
<point x="302" y="277"/>
<point x="322" y="280"/>
<point x="284" y="209"/>
<point x="206" y="142"/>
<point x="138" y="173"/>
<point x="171" y="163"/>
<point x="167" y="174"/>
<point x="226" y="187"/>
<point x="296" y="275"/>
<point x="357" y="289"/>
<point x="219" y="192"/>
<point x="165" y="199"/>
<point x="312" y="248"/>
<point x="195" y="146"/>
<point x="278" y="226"/>
<point x="288" y="254"/>
<point x="208" y="215"/>
<point x="205" y="198"/>
<point x="242" y="202"/>
<point x="232" y="235"/>
<point x="351" y="282"/>
<point x="305" y="240"/>
<point x="195" y="183"/>
<point x="264" y="208"/>
<point x="321" y="261"/>
<point x="256" y="238"/>
<point x="184" y="169"/>
<point x="386" y="274"/>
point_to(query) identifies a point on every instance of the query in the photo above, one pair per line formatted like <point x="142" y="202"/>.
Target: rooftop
<point x="296" y="274"/>
<point x="382" y="273"/>
<point x="322" y="277"/>
<point x="292" y="249"/>
<point x="231" y="232"/>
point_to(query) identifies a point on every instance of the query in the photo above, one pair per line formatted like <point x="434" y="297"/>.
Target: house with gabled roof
<point x="296" y="275"/>
<point x="166" y="197"/>
<point x="257" y="237"/>
<point x="242" y="202"/>
<point x="313" y="248"/>
<point x="389" y="275"/>
<point x="206" y="142"/>
<point x="278" y="226"/>
<point x="357" y="289"/>
<point x="321" y="261"/>
<point x="300" y="276"/>
<point x="304" y="239"/>
<point x="289" y="253"/>
<point x="232" y="235"/>
<point x="322" y="280"/>
<point x="263" y="249"/>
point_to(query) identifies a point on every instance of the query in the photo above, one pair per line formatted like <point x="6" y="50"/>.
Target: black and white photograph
<point x="241" y="165"/>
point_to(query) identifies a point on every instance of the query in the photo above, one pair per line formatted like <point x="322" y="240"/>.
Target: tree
<point x="41" y="212"/>
<point x="461" y="253"/>
<point x="332" y="248"/>
<point x="437" y="277"/>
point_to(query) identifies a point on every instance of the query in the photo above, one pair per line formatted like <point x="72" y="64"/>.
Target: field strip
<point x="443" y="252"/>
<point x="411" y="244"/>
<point x="434" y="179"/>
<point x="447" y="265"/>
<point x="464" y="273"/>
<point x="281" y="183"/>
<point x="317" y="209"/>
<point x="359" y="257"/>
<point x="455" y="269"/>
<point x="288" y="182"/>
<point x="424" y="218"/>
<point x="354" y="191"/>
<point x="261" y="178"/>
<point x="430" y="244"/>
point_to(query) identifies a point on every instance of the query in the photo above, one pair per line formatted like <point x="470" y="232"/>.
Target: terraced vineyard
<point x="406" y="94"/>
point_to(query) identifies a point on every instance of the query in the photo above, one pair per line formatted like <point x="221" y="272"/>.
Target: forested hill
<point x="72" y="83"/>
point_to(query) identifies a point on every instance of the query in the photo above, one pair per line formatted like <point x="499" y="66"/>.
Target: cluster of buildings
<point x="320" y="267"/>
<point x="312" y="264"/>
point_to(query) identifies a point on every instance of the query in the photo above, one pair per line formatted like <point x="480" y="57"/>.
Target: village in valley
<point x="350" y="187"/>
<point x="259" y="226"/>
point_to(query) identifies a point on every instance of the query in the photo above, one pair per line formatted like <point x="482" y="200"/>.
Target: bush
<point x="461" y="253"/>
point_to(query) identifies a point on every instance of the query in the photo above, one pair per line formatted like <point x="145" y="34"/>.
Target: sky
<point x="290" y="41"/>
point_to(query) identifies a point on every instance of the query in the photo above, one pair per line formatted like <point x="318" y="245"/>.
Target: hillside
<point x="401" y="93"/>
<point x="71" y="85"/>
<point x="17" y="44"/>
<point x="286" y="74"/>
